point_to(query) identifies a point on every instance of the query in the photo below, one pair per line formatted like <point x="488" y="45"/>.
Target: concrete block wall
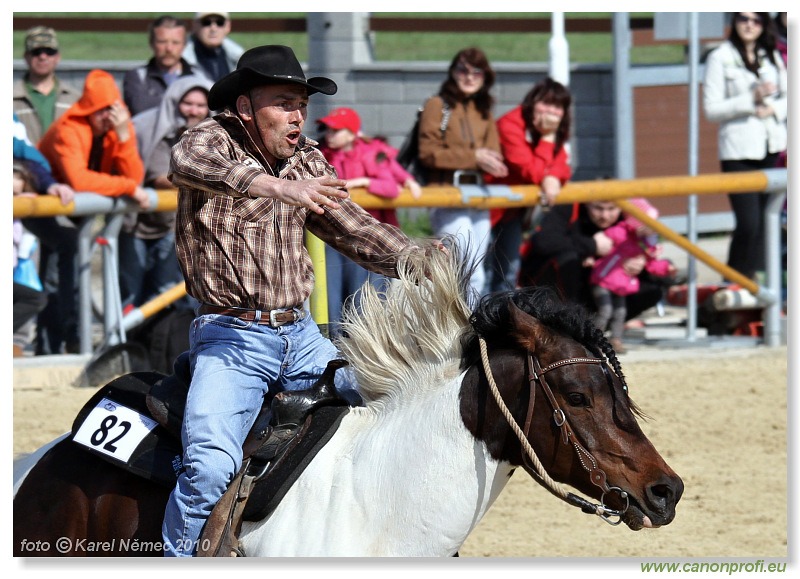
<point x="387" y="96"/>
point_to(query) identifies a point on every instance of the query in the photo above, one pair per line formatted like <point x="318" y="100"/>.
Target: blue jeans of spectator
<point x="472" y="228"/>
<point x="344" y="278"/>
<point x="147" y="267"/>
<point x="502" y="257"/>
<point x="235" y="365"/>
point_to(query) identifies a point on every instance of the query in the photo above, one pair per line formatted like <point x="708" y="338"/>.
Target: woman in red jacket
<point x="533" y="139"/>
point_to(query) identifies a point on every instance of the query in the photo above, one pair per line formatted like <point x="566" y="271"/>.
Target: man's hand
<point x="120" y="116"/>
<point x="314" y="194"/>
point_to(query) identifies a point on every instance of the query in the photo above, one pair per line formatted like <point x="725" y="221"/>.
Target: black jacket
<point x="144" y="87"/>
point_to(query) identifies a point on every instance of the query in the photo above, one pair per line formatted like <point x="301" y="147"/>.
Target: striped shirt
<point x="238" y="251"/>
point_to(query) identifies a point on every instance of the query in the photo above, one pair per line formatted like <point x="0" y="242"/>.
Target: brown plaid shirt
<point x="238" y="251"/>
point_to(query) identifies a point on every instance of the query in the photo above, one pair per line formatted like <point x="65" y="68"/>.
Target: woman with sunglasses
<point x="457" y="132"/>
<point x="745" y="92"/>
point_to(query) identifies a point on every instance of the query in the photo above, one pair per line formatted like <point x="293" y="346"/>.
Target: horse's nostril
<point x="661" y="493"/>
<point x="666" y="493"/>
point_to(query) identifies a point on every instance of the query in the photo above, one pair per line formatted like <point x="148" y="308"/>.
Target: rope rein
<point x="597" y="476"/>
<point x="553" y="485"/>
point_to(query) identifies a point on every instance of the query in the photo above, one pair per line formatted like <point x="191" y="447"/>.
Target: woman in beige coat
<point x="457" y="132"/>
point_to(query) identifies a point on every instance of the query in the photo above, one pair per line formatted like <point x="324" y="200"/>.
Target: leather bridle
<point x="531" y="462"/>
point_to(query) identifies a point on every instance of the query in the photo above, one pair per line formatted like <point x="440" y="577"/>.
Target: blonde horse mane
<point x="408" y="336"/>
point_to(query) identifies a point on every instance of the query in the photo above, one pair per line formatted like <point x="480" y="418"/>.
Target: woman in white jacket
<point x="745" y="91"/>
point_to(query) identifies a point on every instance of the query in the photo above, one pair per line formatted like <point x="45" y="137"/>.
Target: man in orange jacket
<point x="92" y="146"/>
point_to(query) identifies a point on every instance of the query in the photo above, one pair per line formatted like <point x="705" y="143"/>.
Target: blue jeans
<point x="344" y="278"/>
<point x="472" y="227"/>
<point x="503" y="257"/>
<point x="235" y="365"/>
<point x="147" y="267"/>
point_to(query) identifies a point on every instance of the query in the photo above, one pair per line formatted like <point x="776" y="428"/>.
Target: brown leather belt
<point x="272" y="318"/>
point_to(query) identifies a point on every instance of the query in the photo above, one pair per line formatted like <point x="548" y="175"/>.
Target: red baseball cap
<point x="342" y="118"/>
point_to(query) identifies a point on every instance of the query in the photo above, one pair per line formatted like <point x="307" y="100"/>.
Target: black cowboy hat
<point x="271" y="64"/>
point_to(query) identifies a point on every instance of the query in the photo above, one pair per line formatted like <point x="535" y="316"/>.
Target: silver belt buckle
<point x="298" y="315"/>
<point x="272" y="321"/>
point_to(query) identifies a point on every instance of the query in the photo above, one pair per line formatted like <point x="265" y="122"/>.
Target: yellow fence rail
<point x="489" y="197"/>
<point x="607" y="190"/>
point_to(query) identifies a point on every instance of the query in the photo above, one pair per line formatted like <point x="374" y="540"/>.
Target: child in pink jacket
<point x="362" y="162"/>
<point x="611" y="282"/>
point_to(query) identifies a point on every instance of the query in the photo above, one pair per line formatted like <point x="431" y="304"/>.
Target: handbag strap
<point x="445" y="117"/>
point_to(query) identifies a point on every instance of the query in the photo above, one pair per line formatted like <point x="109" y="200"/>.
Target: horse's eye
<point x="577" y="399"/>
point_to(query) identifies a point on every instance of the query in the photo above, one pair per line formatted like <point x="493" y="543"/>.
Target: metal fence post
<point x="774" y="270"/>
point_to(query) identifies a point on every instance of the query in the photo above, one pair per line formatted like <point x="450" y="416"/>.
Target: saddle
<point x="285" y="436"/>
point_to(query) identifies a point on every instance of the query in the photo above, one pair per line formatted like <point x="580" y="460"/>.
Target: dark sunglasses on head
<point x="742" y="19"/>
<point x="219" y="21"/>
<point x="41" y="51"/>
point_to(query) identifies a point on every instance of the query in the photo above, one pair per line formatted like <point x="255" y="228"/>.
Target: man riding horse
<point x="249" y="185"/>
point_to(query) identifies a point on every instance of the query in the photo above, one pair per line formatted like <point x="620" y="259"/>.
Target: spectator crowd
<point x="117" y="141"/>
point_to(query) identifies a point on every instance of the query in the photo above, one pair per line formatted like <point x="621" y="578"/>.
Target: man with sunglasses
<point x="209" y="50"/>
<point x="40" y="97"/>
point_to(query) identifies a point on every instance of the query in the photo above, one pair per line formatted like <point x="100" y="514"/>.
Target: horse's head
<point x="563" y="387"/>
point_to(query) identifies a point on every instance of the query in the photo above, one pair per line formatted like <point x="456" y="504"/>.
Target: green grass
<point x="389" y="46"/>
<point x="415" y="222"/>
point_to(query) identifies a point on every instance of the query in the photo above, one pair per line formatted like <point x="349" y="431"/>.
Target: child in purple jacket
<point x="611" y="279"/>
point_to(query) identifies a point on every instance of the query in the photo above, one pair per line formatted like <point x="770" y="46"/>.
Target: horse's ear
<point x="529" y="332"/>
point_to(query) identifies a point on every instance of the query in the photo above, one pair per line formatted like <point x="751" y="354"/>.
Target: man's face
<point x="603" y="214"/>
<point x="167" y="45"/>
<point x="212" y="30"/>
<point x="100" y="122"/>
<point x="42" y="61"/>
<point x="279" y="113"/>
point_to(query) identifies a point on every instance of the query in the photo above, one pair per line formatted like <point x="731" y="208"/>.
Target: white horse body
<point x="392" y="481"/>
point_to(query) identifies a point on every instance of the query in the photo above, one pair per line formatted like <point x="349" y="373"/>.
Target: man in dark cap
<point x="41" y="97"/>
<point x="249" y="185"/>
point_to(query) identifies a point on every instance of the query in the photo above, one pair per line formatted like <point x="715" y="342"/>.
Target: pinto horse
<point x="455" y="401"/>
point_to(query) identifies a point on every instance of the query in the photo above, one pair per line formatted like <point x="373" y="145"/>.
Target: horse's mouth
<point x="635" y="518"/>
